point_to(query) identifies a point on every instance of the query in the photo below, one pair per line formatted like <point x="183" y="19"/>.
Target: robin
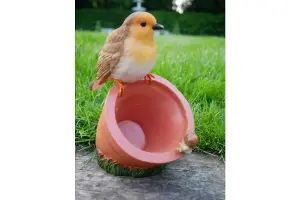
<point x="129" y="52"/>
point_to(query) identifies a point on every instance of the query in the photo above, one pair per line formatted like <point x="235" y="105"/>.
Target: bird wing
<point x="109" y="57"/>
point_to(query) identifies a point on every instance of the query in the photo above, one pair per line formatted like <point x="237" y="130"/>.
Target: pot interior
<point x="151" y="117"/>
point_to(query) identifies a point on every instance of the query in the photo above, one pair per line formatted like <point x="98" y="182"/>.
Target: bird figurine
<point x="189" y="141"/>
<point x="129" y="52"/>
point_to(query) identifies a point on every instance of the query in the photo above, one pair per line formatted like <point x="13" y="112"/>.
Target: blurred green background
<point x="192" y="17"/>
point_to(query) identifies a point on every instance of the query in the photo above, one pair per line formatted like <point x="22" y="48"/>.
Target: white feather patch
<point x="129" y="71"/>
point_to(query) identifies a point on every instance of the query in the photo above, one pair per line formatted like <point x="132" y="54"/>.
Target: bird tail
<point x="97" y="84"/>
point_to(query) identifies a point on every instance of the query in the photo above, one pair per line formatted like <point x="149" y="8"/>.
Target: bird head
<point x="142" y="25"/>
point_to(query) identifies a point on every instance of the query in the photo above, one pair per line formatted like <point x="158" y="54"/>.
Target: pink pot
<point x="143" y="128"/>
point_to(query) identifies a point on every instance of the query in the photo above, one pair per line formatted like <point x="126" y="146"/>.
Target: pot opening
<point x="151" y="117"/>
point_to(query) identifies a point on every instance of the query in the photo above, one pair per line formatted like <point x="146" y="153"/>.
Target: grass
<point x="195" y="65"/>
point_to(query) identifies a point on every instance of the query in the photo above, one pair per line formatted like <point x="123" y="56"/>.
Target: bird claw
<point x="149" y="76"/>
<point x="121" y="91"/>
<point x="121" y="87"/>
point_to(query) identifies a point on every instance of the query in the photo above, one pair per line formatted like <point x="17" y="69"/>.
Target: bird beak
<point x="157" y="27"/>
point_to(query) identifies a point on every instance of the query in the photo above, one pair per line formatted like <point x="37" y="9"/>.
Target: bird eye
<point x="143" y="24"/>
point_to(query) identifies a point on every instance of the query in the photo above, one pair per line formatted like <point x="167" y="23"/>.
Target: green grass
<point x="195" y="65"/>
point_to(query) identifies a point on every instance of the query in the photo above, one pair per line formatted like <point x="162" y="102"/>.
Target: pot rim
<point x="125" y="145"/>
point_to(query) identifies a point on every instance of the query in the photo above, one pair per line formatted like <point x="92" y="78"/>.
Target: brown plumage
<point x="109" y="56"/>
<point x="129" y="52"/>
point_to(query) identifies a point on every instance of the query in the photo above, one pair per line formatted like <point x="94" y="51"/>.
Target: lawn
<point x="195" y="65"/>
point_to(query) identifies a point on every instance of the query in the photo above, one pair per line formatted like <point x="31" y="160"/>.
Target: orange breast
<point x="140" y="51"/>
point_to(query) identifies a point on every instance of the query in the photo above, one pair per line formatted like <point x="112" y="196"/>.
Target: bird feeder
<point x="145" y="128"/>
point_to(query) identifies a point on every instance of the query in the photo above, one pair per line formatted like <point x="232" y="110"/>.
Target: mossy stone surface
<point x="118" y="170"/>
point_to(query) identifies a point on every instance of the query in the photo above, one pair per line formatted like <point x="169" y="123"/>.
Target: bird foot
<point x="149" y="76"/>
<point x="121" y="87"/>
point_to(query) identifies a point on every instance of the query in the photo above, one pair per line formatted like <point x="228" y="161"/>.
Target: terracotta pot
<point x="143" y="128"/>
